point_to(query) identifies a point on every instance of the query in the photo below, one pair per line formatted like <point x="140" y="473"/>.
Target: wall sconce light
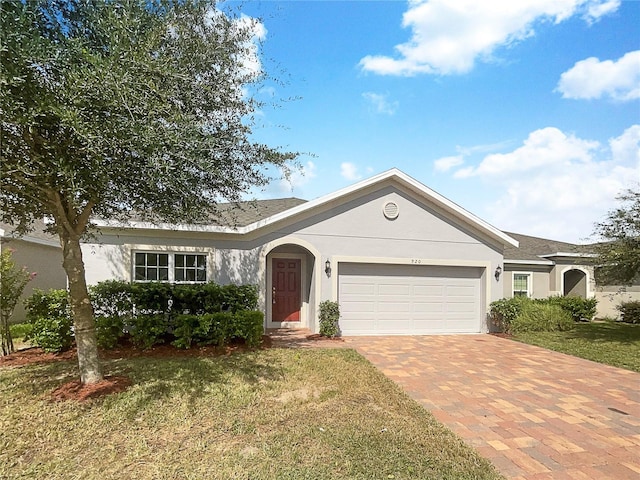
<point x="327" y="268"/>
<point x="498" y="272"/>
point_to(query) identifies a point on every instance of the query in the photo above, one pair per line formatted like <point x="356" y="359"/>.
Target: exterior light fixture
<point x="498" y="272"/>
<point x="327" y="268"/>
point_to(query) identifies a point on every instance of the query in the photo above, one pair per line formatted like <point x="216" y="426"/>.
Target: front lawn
<point x="270" y="414"/>
<point x="612" y="343"/>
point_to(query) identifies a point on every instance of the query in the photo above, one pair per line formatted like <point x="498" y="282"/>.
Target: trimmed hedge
<point x="218" y="328"/>
<point x="151" y="314"/>
<point x="629" y="311"/>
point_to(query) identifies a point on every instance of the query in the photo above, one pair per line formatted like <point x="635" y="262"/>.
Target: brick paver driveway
<point x="534" y="413"/>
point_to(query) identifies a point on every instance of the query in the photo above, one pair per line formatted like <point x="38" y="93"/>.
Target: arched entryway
<point x="574" y="283"/>
<point x="291" y="274"/>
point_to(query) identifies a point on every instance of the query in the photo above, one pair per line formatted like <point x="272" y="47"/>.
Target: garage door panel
<point x="408" y="299"/>
<point x="386" y="289"/>
<point x="394" y="307"/>
<point x="356" y="307"/>
<point x="358" y="289"/>
<point x="428" y="290"/>
<point x="428" y="307"/>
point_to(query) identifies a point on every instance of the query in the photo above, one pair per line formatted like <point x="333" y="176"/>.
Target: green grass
<point x="611" y="343"/>
<point x="272" y="414"/>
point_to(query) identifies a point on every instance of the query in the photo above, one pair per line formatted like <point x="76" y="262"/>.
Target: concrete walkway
<point x="534" y="413"/>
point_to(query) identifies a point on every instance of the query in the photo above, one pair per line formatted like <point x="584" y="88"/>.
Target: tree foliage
<point x="618" y="252"/>
<point x="110" y="108"/>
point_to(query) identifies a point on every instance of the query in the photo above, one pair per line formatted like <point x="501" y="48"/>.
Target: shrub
<point x="52" y="334"/>
<point x="503" y="312"/>
<point x="329" y="316"/>
<point x="50" y="317"/>
<point x="52" y="303"/>
<point x="218" y="328"/>
<point x="248" y="325"/>
<point x="113" y="310"/>
<point x="20" y="330"/>
<point x="147" y="330"/>
<point x="541" y="317"/>
<point x="580" y="309"/>
<point x="151" y="298"/>
<point x="112" y="298"/>
<point x="195" y="299"/>
<point x="629" y="311"/>
<point x="109" y="331"/>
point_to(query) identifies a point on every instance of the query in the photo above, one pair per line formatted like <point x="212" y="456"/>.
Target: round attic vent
<point x="391" y="210"/>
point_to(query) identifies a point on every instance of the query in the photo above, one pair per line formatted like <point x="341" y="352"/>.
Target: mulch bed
<point x="75" y="390"/>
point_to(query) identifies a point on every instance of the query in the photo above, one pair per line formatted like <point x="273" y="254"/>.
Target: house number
<point x="416" y="260"/>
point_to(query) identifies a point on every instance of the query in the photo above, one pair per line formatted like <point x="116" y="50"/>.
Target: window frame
<point x="171" y="264"/>
<point x="148" y="266"/>
<point x="529" y="291"/>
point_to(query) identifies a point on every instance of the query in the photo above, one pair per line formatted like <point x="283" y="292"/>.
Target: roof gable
<point x="394" y="175"/>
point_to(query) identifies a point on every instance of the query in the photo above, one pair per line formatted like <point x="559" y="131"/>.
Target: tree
<point x="110" y="108"/>
<point x="12" y="283"/>
<point x="618" y="252"/>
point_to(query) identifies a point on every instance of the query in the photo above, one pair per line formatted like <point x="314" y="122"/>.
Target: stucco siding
<point x="609" y="297"/>
<point x="352" y="229"/>
<point x="45" y="260"/>
<point x="540" y="276"/>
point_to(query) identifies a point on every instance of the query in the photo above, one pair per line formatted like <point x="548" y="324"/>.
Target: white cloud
<point x="349" y="171"/>
<point x="380" y="103"/>
<point x="547" y="147"/>
<point x="592" y="78"/>
<point x="447" y="36"/>
<point x="557" y="185"/>
<point x="250" y="61"/>
<point x="445" y="164"/>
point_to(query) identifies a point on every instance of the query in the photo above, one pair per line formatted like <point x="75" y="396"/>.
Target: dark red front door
<point x="285" y="293"/>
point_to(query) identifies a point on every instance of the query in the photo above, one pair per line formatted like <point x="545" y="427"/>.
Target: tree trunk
<point x="5" y="334"/>
<point x="81" y="310"/>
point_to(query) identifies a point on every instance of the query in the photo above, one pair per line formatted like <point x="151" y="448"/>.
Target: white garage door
<point x="408" y="299"/>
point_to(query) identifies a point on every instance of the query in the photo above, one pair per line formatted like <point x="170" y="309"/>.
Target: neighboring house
<point x="539" y="267"/>
<point x="40" y="252"/>
<point x="397" y="256"/>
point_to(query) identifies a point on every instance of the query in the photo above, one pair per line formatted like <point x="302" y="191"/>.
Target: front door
<point x="285" y="292"/>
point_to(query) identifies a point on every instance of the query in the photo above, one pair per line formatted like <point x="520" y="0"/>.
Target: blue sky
<point x="527" y="116"/>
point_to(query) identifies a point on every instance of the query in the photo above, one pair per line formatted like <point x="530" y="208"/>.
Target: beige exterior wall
<point x="540" y="277"/>
<point x="45" y="260"/>
<point x="353" y="227"/>
<point x="610" y="297"/>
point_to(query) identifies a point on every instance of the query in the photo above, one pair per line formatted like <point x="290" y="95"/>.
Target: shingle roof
<point x="37" y="233"/>
<point x="531" y="248"/>
<point x="242" y="214"/>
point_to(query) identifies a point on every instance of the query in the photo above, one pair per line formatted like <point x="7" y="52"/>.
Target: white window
<point x="521" y="284"/>
<point x="151" y="267"/>
<point x="190" y="268"/>
<point x="169" y="267"/>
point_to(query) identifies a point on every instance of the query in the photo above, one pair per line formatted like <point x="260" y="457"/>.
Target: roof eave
<point x="393" y="173"/>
